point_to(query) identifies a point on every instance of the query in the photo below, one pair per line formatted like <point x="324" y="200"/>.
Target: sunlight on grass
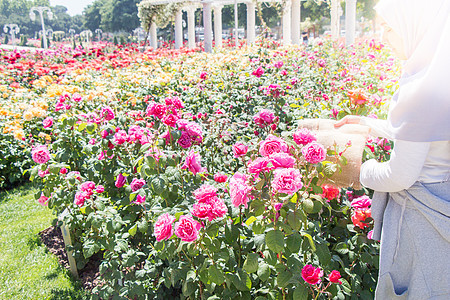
<point x="27" y="269"/>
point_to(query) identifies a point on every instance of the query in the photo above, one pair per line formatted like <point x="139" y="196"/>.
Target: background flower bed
<point x="113" y="119"/>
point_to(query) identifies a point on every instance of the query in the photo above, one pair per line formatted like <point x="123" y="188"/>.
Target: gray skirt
<point x="414" y="228"/>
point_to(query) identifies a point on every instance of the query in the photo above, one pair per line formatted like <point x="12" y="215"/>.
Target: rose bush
<point x="191" y="179"/>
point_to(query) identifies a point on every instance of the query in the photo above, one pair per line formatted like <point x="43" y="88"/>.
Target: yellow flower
<point x="28" y="115"/>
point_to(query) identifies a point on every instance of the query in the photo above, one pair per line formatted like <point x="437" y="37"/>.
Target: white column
<point x="350" y="21"/>
<point x="251" y="9"/>
<point x="153" y="36"/>
<point x="335" y="19"/>
<point x="207" y="24"/>
<point x="178" y="29"/>
<point x="218" y="25"/>
<point x="287" y="22"/>
<point x="191" y="26"/>
<point x="296" y="16"/>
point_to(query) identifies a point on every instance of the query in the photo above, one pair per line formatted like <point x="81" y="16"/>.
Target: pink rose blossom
<point x="120" y="181"/>
<point x="205" y="193"/>
<point x="311" y="275"/>
<point x="258" y="72"/>
<point x="258" y="165"/>
<point x="139" y="199"/>
<point x="137" y="184"/>
<point x="287" y="181"/>
<point x="43" y="200"/>
<point x="185" y="140"/>
<point x="87" y="186"/>
<point x="264" y="118"/>
<point x="80" y="198"/>
<point x="170" y="120"/>
<point x="282" y="160"/>
<point x="218" y="209"/>
<point x="218" y="177"/>
<point x="192" y="163"/>
<point x="314" y="153"/>
<point x="107" y="113"/>
<point x="201" y="210"/>
<point x="334" y="277"/>
<point x="361" y="202"/>
<point x="156" y="109"/>
<point x="239" y="190"/>
<point x="100" y="189"/>
<point x="42" y="174"/>
<point x="239" y="149"/>
<point x="187" y="229"/>
<point x="120" y="137"/>
<point x="40" y="154"/>
<point x="370" y="235"/>
<point x="195" y="131"/>
<point x="271" y="145"/>
<point x="303" y="136"/>
<point x="203" y="75"/>
<point x="48" y="122"/>
<point x="163" y="229"/>
<point x="63" y="171"/>
<point x="76" y="97"/>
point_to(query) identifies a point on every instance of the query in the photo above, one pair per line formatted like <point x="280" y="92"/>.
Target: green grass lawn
<point x="27" y="269"/>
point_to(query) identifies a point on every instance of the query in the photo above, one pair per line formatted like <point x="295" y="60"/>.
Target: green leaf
<point x="308" y="205"/>
<point x="82" y="126"/>
<point x="133" y="230"/>
<point x="300" y="293"/>
<point x="251" y="263"/>
<point x="323" y="253"/>
<point x="263" y="272"/>
<point x="341" y="248"/>
<point x="293" y="242"/>
<point x="275" y="241"/>
<point x="294" y="221"/>
<point x="216" y="275"/>
<point x="311" y="242"/>
<point x="283" y="278"/>
<point x="346" y="286"/>
<point x="260" y="185"/>
<point x="250" y="220"/>
<point x="158" y="185"/>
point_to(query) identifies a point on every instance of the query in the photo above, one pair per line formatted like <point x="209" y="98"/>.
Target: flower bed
<point x="186" y="171"/>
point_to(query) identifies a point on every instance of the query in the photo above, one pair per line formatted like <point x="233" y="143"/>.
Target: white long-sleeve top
<point x="427" y="162"/>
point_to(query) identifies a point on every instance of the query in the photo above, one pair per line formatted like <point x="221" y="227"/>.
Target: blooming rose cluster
<point x="62" y="104"/>
<point x="239" y="149"/>
<point x="314" y="152"/>
<point x="271" y="145"/>
<point x="135" y="134"/>
<point x="86" y="191"/>
<point x="273" y="90"/>
<point x="191" y="133"/>
<point x="208" y="205"/>
<point x="287" y="181"/>
<point x="362" y="211"/>
<point x="258" y="72"/>
<point x="313" y="275"/>
<point x="264" y="118"/>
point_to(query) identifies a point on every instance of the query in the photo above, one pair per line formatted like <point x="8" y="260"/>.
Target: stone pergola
<point x="291" y="15"/>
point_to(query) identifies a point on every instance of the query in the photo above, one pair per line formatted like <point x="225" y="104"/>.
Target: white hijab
<point x="420" y="110"/>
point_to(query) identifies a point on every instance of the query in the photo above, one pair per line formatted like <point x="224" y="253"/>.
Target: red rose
<point x="334" y="277"/>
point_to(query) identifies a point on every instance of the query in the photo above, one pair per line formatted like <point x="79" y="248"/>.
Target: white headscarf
<point x="420" y="110"/>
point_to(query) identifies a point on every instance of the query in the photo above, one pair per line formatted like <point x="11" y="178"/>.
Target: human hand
<point x="349" y="119"/>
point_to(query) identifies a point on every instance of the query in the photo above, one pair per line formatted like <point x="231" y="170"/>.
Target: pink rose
<point x="120" y="181"/>
<point x="187" y="229"/>
<point x="361" y="202"/>
<point x="205" y="193"/>
<point x="303" y="136"/>
<point x="203" y="75"/>
<point x="139" y="199"/>
<point x="271" y="145"/>
<point x="185" y="140"/>
<point x="40" y="154"/>
<point x="258" y="165"/>
<point x="170" y="120"/>
<point x="311" y="275"/>
<point x="63" y="171"/>
<point x="87" y="186"/>
<point x="264" y="118"/>
<point x="258" y="72"/>
<point x="80" y="198"/>
<point x="239" y="190"/>
<point x="370" y="235"/>
<point x="163" y="229"/>
<point x="195" y="131"/>
<point x="192" y="163"/>
<point x="287" y="181"/>
<point x="43" y="200"/>
<point x="137" y="184"/>
<point x="201" y="210"/>
<point x="314" y="153"/>
<point x="42" y="174"/>
<point x="239" y="149"/>
<point x="76" y="97"/>
<point x="282" y="160"/>
<point x="107" y="113"/>
<point x="218" y="209"/>
<point x="100" y="189"/>
<point x="120" y="137"/>
<point x="218" y="177"/>
<point x="156" y="109"/>
<point x="334" y="277"/>
<point x="48" y="122"/>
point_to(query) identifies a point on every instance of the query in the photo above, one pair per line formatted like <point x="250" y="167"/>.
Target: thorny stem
<point x="239" y="237"/>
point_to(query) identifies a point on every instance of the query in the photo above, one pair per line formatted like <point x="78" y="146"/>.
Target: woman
<point x="411" y="205"/>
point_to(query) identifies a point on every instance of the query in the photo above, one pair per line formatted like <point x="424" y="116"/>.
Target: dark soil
<point x="53" y="239"/>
